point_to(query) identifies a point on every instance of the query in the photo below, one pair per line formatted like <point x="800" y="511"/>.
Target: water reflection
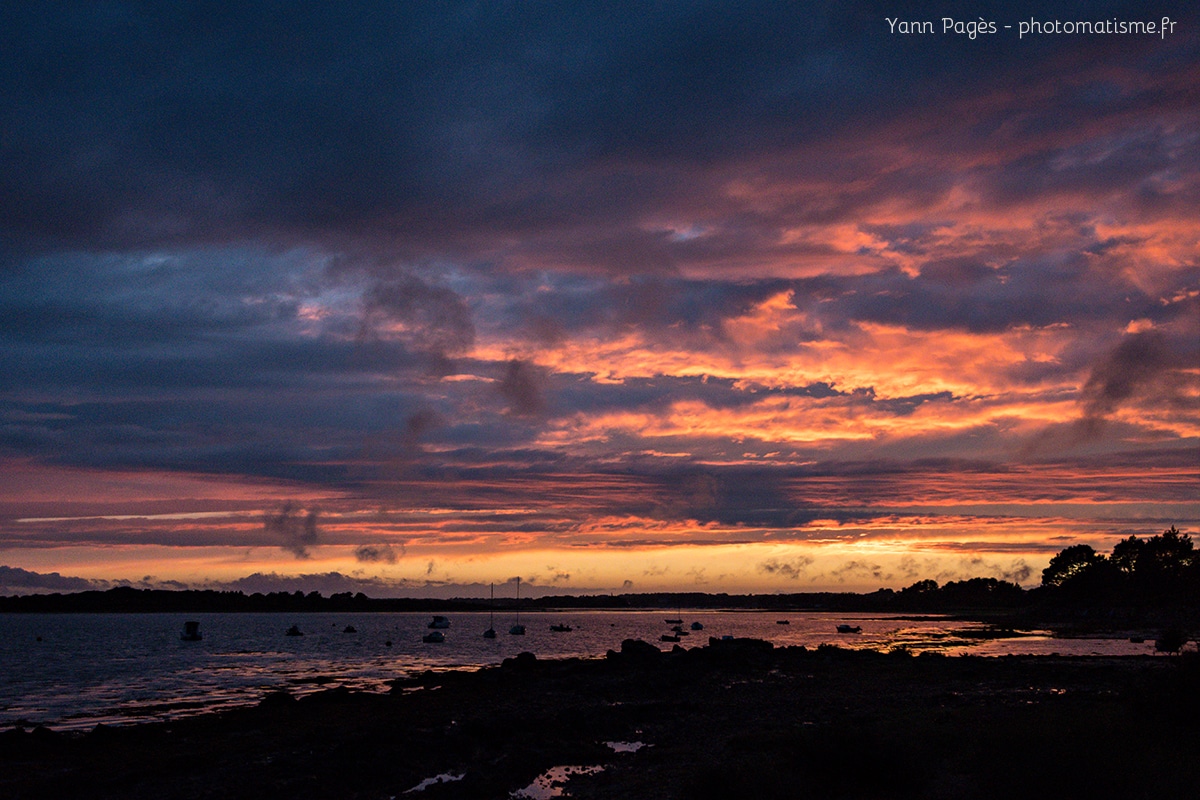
<point x="76" y="670"/>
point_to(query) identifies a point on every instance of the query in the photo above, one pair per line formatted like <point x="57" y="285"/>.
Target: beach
<point x="733" y="718"/>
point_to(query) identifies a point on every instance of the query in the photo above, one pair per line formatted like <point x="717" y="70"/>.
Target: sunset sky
<point x="410" y="298"/>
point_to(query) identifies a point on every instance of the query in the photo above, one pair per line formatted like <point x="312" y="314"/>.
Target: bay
<point x="74" y="671"/>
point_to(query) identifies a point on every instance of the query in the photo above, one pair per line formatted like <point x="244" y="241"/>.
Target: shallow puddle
<point x="445" y="777"/>
<point x="552" y="783"/>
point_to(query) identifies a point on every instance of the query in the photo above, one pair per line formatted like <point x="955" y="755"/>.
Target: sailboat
<point x="490" y="633"/>
<point x="518" y="629"/>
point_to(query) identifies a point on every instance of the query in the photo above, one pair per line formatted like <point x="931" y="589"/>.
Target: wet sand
<point x="730" y="720"/>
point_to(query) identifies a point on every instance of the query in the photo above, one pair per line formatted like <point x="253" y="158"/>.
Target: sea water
<point x="74" y="671"/>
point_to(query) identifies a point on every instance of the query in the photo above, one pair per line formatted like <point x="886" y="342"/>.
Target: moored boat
<point x="518" y="629"/>
<point x="490" y="633"/>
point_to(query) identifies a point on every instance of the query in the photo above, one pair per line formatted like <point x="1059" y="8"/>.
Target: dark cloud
<point x="791" y="568"/>
<point x="858" y="570"/>
<point x="430" y="318"/>
<point x="523" y="386"/>
<point x="419" y="423"/>
<point x="328" y="583"/>
<point x="1132" y="366"/>
<point x="14" y="580"/>
<point x="1017" y="571"/>
<point x="374" y="553"/>
<point x="297" y="528"/>
<point x="435" y="127"/>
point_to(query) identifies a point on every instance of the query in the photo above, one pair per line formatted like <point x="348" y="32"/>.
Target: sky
<point x="416" y="298"/>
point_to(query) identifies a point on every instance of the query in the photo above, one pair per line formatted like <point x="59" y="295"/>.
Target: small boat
<point x="518" y="629"/>
<point x="439" y="622"/>
<point x="490" y="633"/>
<point x="843" y="628"/>
<point x="696" y="626"/>
<point x="294" y="631"/>
<point x="670" y="637"/>
<point x="191" y="632"/>
<point x="783" y="622"/>
<point x="673" y="621"/>
<point x="561" y="628"/>
<point x="433" y="637"/>
<point x="349" y="629"/>
<point x="678" y="630"/>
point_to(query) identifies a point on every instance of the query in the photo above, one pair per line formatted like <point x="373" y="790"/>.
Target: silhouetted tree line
<point x="975" y="593"/>
<point x="126" y="599"/>
<point x="1160" y="570"/>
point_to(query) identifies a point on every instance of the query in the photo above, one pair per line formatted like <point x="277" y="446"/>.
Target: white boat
<point x="696" y="626"/>
<point x="191" y="631"/>
<point x="434" y="637"/>
<point x="440" y="622"/>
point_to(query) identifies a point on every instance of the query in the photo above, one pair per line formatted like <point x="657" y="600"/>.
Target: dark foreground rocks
<point x="731" y="720"/>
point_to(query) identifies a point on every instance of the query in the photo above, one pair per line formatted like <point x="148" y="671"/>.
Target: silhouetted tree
<point x="1125" y="554"/>
<point x="1070" y="563"/>
<point x="1161" y="569"/>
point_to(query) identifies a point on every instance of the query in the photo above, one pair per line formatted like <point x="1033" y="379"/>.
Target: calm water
<point x="115" y="668"/>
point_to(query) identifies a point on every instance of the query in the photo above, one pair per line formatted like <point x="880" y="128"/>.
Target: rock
<point x="279" y="699"/>
<point x="522" y="661"/>
<point x="639" y="650"/>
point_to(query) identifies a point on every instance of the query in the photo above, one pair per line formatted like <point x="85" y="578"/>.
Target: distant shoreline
<point x="983" y="600"/>
<point x="128" y="599"/>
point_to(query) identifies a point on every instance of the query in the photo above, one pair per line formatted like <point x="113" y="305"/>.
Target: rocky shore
<point x="733" y="719"/>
